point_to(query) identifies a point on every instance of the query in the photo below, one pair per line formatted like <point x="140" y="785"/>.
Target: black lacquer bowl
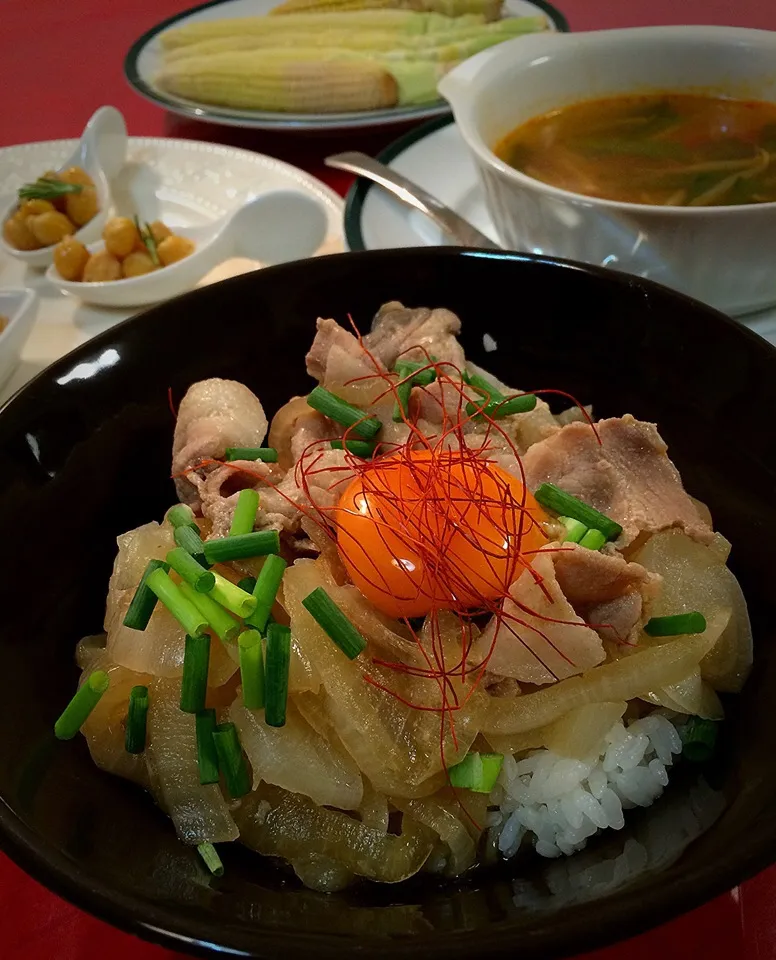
<point x="85" y="452"/>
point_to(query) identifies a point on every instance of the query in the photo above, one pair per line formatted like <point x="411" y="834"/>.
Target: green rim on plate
<point x="356" y="196"/>
<point x="259" y="119"/>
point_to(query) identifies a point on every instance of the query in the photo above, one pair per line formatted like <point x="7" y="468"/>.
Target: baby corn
<point x="287" y="81"/>
<point x="400" y="21"/>
<point x="469" y="39"/>
<point x="490" y="9"/>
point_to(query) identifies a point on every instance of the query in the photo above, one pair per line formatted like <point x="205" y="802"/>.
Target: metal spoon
<point x="413" y="195"/>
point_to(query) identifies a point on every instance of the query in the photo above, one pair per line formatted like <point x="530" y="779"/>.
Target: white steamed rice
<point x="558" y="803"/>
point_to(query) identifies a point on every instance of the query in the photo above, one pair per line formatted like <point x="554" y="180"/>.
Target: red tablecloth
<point x="58" y="62"/>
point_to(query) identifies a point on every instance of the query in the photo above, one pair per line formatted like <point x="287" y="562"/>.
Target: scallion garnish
<point x="266" y="454"/>
<point x="505" y="407"/>
<point x="593" y="539"/>
<point x="182" y="515"/>
<point x="483" y="386"/>
<point x="149" y="242"/>
<point x="574" y="530"/>
<point x="231" y="760"/>
<point x="334" y="622"/>
<point x="137" y="718"/>
<point x="423" y="373"/>
<point x="341" y="411"/>
<point x="192" y="543"/>
<point x="401" y="406"/>
<point x="212" y="861"/>
<point x="242" y="546"/>
<point x="252" y="669"/>
<point x="229" y="595"/>
<point x="47" y="188"/>
<point x="207" y="758"/>
<point x="85" y="700"/>
<point x="247" y="584"/>
<point x="244" y="515"/>
<point x="676" y="626"/>
<point x="265" y="591"/>
<point x="360" y="448"/>
<point x="196" y="660"/>
<point x="477" y="771"/>
<point x="184" y="611"/>
<point x="192" y="572"/>
<point x="552" y="497"/>
<point x="222" y="623"/>
<point x="278" y="662"/>
<point x="144" y="601"/>
<point x="699" y="738"/>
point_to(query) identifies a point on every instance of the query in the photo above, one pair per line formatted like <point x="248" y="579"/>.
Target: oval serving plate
<point x="143" y="61"/>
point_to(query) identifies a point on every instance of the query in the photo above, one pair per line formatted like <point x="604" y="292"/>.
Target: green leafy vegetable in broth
<point x="668" y="149"/>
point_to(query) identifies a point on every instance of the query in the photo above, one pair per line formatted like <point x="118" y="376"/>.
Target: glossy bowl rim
<point x="178" y="929"/>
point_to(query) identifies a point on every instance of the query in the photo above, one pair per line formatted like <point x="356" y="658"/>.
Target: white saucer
<point x="183" y="182"/>
<point x="435" y="157"/>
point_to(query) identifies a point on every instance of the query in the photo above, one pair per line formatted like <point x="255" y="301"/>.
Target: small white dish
<point x="276" y="227"/>
<point x="101" y="152"/>
<point x="723" y="254"/>
<point x="435" y="156"/>
<point x="143" y="62"/>
<point x="19" y="307"/>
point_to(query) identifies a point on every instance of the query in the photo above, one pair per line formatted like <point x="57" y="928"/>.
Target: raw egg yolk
<point x="423" y="531"/>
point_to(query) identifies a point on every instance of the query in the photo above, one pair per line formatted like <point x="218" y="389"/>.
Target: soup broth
<point x="669" y="149"/>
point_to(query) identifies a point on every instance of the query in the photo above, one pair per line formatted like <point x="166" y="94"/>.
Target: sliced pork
<point x="628" y="476"/>
<point x="413" y="333"/>
<point x="213" y="415"/>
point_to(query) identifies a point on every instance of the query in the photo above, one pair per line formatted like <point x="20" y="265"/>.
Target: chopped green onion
<point x="699" y="738"/>
<point x="183" y="563"/>
<point x="574" y="529"/>
<point x="229" y="595"/>
<point x="334" y="622"/>
<point x="401" y="406"/>
<point x="593" y="540"/>
<point x="231" y="760"/>
<point x="252" y="669"/>
<point x="360" y="448"/>
<point x="137" y="718"/>
<point x="505" y="407"/>
<point x="278" y="662"/>
<point x="184" y="611"/>
<point x="550" y="496"/>
<point x="196" y="660"/>
<point x="192" y="543"/>
<point x="424" y="374"/>
<point x="267" y="454"/>
<point x="149" y="242"/>
<point x="247" y="584"/>
<point x="222" y="623"/>
<point x="75" y="714"/>
<point x="244" y="513"/>
<point x="182" y="515"/>
<point x="265" y="591"/>
<point x="144" y="601"/>
<point x="477" y="771"/>
<point x="212" y="861"/>
<point x="677" y="625"/>
<point x="243" y="545"/>
<point x="207" y="758"/>
<point x="47" y="188"/>
<point x="345" y="413"/>
<point x="483" y="386"/>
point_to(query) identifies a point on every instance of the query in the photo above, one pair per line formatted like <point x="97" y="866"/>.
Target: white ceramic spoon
<point x="101" y="152"/>
<point x="275" y="227"/>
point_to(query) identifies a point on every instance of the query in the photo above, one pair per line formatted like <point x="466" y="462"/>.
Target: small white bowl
<point x="722" y="255"/>
<point x="19" y="306"/>
<point x="275" y="227"/>
<point x="100" y="152"/>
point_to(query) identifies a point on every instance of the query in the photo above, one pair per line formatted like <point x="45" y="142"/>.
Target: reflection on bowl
<point x="87" y="442"/>
<point x="722" y="255"/>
